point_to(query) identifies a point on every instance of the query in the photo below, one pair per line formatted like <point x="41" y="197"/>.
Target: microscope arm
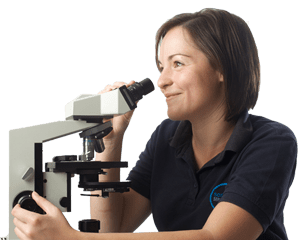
<point x="25" y="150"/>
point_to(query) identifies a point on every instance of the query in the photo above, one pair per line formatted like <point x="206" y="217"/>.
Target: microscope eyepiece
<point x="138" y="89"/>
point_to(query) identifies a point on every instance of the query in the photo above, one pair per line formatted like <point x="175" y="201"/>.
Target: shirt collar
<point x="182" y="134"/>
<point x="240" y="136"/>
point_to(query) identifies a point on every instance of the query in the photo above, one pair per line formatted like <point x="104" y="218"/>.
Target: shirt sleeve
<point x="140" y="175"/>
<point x="263" y="174"/>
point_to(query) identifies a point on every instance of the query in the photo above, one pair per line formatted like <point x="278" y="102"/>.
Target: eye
<point x="159" y="66"/>
<point x="177" y="64"/>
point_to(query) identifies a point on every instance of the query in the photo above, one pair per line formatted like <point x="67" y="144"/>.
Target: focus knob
<point x="27" y="203"/>
<point x="89" y="225"/>
<point x="25" y="200"/>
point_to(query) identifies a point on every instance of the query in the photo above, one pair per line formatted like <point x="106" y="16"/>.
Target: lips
<point x="171" y="95"/>
<point x="168" y="95"/>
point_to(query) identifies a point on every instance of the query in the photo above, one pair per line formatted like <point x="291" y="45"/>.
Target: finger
<point x="21" y="214"/>
<point x="19" y="224"/>
<point x="43" y="203"/>
<point x="109" y="88"/>
<point x="20" y="234"/>
<point x="106" y="89"/>
<point x="118" y="85"/>
<point x="130" y="83"/>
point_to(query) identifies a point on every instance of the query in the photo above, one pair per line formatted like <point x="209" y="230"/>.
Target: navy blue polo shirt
<point x="254" y="171"/>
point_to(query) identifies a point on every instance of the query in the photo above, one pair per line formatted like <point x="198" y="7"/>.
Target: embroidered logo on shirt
<point x="216" y="194"/>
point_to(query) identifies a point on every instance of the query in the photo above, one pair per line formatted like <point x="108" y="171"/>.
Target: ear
<point x="221" y="78"/>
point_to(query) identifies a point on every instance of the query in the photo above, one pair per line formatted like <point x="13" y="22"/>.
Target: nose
<point x="164" y="80"/>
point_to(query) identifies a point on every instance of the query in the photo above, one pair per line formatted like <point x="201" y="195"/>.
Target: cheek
<point x="208" y="82"/>
<point x="203" y="90"/>
<point x="196" y="87"/>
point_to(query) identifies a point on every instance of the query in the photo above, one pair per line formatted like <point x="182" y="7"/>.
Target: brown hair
<point x="227" y="42"/>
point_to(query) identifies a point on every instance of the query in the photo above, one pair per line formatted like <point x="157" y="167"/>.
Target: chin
<point x="176" y="116"/>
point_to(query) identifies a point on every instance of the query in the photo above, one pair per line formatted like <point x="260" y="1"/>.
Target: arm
<point x="108" y="210"/>
<point x="226" y="222"/>
<point x="121" y="212"/>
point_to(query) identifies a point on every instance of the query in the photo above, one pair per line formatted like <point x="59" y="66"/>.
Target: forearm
<point x="174" y="235"/>
<point x="108" y="210"/>
<point x="112" y="152"/>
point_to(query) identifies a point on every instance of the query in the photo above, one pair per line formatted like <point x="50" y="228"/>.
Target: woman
<point x="211" y="171"/>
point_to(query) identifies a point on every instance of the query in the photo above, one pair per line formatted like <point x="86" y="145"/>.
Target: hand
<point x="52" y="225"/>
<point x="121" y="122"/>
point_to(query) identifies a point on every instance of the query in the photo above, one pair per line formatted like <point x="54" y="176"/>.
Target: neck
<point x="210" y="136"/>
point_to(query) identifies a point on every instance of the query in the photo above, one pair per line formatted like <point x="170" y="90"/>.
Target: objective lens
<point x="88" y="149"/>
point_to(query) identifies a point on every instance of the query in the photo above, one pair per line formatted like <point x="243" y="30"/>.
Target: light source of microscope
<point x="85" y="114"/>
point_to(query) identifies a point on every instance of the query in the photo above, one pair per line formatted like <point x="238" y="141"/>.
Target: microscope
<point x="85" y="114"/>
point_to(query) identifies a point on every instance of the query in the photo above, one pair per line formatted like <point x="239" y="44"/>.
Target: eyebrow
<point x="173" y="55"/>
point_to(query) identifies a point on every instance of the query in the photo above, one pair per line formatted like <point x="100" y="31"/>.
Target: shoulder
<point x="271" y="141"/>
<point x="162" y="135"/>
<point x="263" y="127"/>
<point x="166" y="129"/>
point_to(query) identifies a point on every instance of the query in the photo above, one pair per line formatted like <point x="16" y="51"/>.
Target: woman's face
<point x="193" y="89"/>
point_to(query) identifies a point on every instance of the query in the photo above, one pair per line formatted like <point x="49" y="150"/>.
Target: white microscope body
<point x="85" y="114"/>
